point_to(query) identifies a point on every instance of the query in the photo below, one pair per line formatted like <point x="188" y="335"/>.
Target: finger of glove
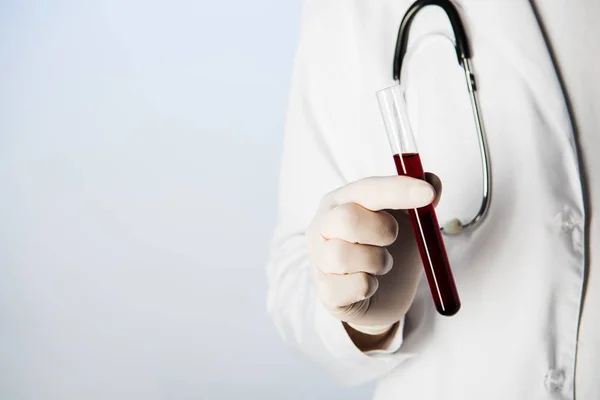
<point x="387" y="192"/>
<point x="355" y="224"/>
<point x="339" y="257"/>
<point x="342" y="290"/>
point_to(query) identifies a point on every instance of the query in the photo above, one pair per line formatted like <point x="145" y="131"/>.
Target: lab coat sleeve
<point x="309" y="171"/>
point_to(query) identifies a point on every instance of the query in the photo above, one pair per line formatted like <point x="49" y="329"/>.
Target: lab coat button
<point x="555" y="380"/>
<point x="564" y="221"/>
<point x="577" y="237"/>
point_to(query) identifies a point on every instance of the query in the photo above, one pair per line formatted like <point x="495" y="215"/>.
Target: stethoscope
<point x="463" y="53"/>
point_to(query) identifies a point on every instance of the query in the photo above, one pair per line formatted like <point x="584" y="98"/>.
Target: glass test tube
<point x="424" y="220"/>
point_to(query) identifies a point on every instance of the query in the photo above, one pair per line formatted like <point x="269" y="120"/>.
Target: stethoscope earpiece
<point x="453" y="227"/>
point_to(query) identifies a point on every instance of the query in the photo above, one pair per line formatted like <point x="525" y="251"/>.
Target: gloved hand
<point x="365" y="259"/>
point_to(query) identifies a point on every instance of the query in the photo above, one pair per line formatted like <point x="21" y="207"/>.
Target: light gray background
<point x="139" y="151"/>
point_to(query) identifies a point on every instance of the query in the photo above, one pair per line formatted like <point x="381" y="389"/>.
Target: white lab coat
<point x="520" y="275"/>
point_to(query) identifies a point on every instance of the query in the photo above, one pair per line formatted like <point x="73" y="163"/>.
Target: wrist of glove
<point x="372" y="330"/>
<point x="368" y="342"/>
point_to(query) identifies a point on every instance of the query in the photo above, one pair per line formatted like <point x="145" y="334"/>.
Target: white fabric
<point x="574" y="33"/>
<point x="521" y="274"/>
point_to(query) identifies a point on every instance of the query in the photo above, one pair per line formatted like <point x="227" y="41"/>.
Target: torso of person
<point x="529" y="275"/>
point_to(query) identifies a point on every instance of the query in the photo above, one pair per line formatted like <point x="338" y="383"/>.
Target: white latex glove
<point x="365" y="260"/>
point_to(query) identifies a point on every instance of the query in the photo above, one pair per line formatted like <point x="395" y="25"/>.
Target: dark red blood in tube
<point x="431" y="245"/>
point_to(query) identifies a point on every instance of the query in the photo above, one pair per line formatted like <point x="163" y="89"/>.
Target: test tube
<point x="424" y="220"/>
